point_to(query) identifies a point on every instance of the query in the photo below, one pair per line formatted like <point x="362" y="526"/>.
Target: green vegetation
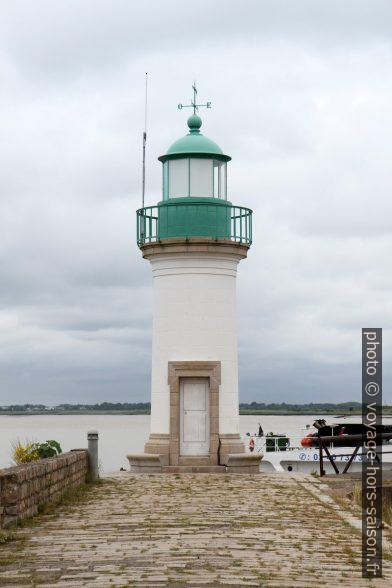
<point x="6" y="536"/>
<point x="33" y="451"/>
<point x="103" y="408"/>
<point x="49" y="448"/>
<point x="311" y="408"/>
<point x="356" y="497"/>
<point x="346" y="408"/>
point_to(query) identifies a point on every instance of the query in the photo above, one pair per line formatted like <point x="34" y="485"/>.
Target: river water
<point x="118" y="434"/>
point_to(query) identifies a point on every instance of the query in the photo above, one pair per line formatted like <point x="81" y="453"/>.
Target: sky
<point x="301" y="94"/>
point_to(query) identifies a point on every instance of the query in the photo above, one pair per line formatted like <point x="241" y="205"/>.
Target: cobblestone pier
<point x="192" y="530"/>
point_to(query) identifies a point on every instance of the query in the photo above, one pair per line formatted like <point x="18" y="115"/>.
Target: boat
<point x="291" y="454"/>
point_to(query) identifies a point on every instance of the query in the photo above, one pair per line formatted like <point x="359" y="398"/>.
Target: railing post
<point x="92" y="438"/>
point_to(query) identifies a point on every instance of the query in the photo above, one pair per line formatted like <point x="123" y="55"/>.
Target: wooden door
<point x="194" y="416"/>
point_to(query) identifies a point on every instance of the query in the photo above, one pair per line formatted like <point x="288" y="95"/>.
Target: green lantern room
<point x="194" y="166"/>
<point x="194" y="193"/>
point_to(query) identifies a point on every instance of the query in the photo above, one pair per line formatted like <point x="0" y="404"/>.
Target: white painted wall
<point x="194" y="319"/>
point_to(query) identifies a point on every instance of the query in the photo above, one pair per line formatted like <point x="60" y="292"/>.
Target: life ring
<point x="251" y="444"/>
<point x="308" y="440"/>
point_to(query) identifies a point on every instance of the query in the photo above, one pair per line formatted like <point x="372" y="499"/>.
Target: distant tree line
<point x="107" y="406"/>
<point x="23" y="407"/>
<point x="145" y="408"/>
<point x="103" y="406"/>
<point x="312" y="406"/>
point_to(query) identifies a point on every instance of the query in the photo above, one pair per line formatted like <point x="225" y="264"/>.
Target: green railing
<point x="218" y="221"/>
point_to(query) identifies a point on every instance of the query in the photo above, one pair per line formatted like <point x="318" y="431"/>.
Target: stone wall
<point x="26" y="488"/>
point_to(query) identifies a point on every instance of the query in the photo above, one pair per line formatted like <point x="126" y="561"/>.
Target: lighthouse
<point x="194" y="239"/>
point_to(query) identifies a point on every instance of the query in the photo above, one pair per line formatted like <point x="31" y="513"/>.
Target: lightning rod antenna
<point x="144" y="146"/>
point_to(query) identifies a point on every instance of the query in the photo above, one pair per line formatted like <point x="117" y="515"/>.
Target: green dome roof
<point x="194" y="143"/>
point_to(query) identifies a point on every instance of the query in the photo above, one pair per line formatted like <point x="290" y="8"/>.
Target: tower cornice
<point x="195" y="246"/>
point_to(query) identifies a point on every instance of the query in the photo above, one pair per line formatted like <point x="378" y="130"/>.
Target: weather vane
<point x="193" y="102"/>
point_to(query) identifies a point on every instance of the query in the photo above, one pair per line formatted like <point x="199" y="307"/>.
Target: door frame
<point x="183" y="382"/>
<point x="193" y="369"/>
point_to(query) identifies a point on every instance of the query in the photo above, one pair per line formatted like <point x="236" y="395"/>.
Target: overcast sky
<point x="301" y="94"/>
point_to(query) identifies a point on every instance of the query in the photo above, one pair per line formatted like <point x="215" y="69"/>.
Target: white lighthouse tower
<point x="194" y="239"/>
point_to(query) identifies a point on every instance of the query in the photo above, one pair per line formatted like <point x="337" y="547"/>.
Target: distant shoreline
<point x="134" y="413"/>
<point x="71" y="412"/>
<point x="343" y="409"/>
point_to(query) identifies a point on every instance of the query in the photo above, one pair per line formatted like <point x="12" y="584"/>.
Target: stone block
<point x="11" y="510"/>
<point x="145" y="463"/>
<point x="174" y="426"/>
<point x="10" y="494"/>
<point x="9" y="521"/>
<point x="243" y="463"/>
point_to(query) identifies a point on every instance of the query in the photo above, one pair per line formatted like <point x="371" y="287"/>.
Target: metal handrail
<point x="239" y="224"/>
<point x="334" y="442"/>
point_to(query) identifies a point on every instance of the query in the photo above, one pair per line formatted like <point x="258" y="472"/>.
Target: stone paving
<point x="192" y="530"/>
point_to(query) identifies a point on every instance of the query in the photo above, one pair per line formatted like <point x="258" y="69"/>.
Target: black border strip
<point x="371" y="453"/>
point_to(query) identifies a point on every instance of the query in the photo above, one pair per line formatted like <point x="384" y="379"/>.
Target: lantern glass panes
<point x="178" y="178"/>
<point x="165" y="180"/>
<point x="197" y="177"/>
<point x="220" y="171"/>
<point x="201" y="178"/>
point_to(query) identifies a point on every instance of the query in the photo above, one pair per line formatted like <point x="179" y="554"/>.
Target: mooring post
<point x="92" y="438"/>
<point x="322" y="472"/>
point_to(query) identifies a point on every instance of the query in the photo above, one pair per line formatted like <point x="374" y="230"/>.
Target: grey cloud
<point x="75" y="36"/>
<point x="301" y="97"/>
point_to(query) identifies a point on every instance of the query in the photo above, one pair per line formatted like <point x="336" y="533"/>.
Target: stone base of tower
<point x="230" y="443"/>
<point x="158" y="443"/>
<point x="230" y="457"/>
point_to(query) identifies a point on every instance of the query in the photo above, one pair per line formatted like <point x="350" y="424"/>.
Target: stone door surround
<point x="193" y="369"/>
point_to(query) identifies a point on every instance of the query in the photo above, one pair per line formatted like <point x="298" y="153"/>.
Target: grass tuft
<point x="6" y="537"/>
